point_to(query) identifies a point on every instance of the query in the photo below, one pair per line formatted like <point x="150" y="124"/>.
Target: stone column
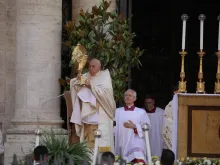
<point x="7" y="65"/>
<point x="3" y="37"/>
<point x="7" y="62"/>
<point x="77" y="5"/>
<point x="38" y="68"/>
<point x="38" y="60"/>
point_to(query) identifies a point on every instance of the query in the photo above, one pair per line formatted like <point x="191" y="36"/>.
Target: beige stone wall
<point x="77" y="5"/>
<point x="7" y="61"/>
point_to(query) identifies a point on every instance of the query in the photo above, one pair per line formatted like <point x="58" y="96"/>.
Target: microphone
<point x="38" y="130"/>
<point x="51" y="99"/>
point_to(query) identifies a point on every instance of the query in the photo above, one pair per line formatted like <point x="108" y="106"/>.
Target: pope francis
<point x="94" y="106"/>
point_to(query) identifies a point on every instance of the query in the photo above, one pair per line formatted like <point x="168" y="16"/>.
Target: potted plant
<point x="59" y="151"/>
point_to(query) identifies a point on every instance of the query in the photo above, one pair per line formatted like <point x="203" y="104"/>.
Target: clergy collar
<point x="129" y="108"/>
<point x="152" y="111"/>
<point x="95" y="74"/>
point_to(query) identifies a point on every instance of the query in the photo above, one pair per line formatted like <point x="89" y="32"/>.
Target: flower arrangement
<point x="182" y="161"/>
<point x="197" y="161"/>
<point x="155" y="161"/>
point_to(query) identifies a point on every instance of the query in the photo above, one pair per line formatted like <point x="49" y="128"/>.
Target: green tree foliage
<point x="106" y="36"/>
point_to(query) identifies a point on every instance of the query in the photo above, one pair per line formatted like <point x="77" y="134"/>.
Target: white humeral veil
<point x="97" y="107"/>
<point x="127" y="142"/>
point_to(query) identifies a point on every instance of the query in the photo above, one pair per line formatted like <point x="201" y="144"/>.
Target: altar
<point x="196" y="128"/>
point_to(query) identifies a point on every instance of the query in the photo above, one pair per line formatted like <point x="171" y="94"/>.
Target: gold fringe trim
<point x="105" y="149"/>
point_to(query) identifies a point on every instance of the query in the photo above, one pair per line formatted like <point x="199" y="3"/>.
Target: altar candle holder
<point x="200" y="83"/>
<point x="217" y="83"/>
<point x="182" y="82"/>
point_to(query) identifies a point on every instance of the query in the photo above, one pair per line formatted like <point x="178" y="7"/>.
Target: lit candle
<point x="38" y="133"/>
<point x="184" y="17"/>
<point x="201" y="18"/>
<point x="97" y="135"/>
<point x="95" y="151"/>
<point x="219" y="33"/>
<point x="37" y="140"/>
<point x="146" y="128"/>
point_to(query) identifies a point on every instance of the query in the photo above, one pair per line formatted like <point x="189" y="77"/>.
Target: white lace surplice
<point x="128" y="144"/>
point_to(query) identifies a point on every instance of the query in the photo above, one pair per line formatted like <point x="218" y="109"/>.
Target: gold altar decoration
<point x="79" y="56"/>
<point x="200" y="83"/>
<point x="182" y="82"/>
<point x="217" y="83"/>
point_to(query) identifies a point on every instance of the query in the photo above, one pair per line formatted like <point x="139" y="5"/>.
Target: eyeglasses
<point x="127" y="95"/>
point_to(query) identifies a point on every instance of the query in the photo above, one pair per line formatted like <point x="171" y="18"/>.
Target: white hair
<point x="133" y="91"/>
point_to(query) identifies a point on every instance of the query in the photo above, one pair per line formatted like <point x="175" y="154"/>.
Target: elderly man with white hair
<point x="129" y="137"/>
<point x="94" y="107"/>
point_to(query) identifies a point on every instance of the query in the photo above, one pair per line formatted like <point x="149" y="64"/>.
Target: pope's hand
<point x="129" y="124"/>
<point x="88" y="85"/>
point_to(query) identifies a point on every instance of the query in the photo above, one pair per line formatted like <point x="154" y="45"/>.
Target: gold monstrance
<point x="79" y="56"/>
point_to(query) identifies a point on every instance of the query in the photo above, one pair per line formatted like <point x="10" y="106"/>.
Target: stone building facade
<point x="30" y="66"/>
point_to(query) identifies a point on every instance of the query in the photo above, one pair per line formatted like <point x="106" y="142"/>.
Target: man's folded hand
<point x="129" y="124"/>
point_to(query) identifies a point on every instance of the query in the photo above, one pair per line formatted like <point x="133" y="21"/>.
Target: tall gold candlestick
<point x="217" y="83"/>
<point x="200" y="82"/>
<point x="182" y="82"/>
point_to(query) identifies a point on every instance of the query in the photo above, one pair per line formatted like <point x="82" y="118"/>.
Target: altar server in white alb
<point x="155" y="115"/>
<point x="129" y="137"/>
